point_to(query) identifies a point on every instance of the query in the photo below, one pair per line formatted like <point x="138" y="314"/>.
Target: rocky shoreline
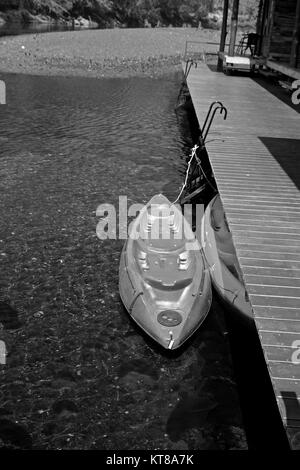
<point x="100" y="53"/>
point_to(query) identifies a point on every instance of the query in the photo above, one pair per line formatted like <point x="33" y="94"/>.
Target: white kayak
<point x="164" y="282"/>
<point x="217" y="244"/>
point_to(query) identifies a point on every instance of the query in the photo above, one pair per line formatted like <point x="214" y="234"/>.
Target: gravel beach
<point x="101" y="53"/>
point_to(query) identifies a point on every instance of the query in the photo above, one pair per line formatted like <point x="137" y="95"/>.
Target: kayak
<point x="164" y="282"/>
<point x="219" y="251"/>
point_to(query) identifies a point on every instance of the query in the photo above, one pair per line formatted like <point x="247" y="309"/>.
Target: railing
<point x="188" y="54"/>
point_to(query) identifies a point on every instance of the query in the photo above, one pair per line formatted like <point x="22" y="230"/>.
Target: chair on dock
<point x="248" y="41"/>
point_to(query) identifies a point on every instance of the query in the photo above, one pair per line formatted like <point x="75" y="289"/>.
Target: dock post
<point x="234" y="24"/>
<point x="223" y="34"/>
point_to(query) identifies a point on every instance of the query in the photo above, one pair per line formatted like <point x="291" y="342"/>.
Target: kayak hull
<point x="164" y="283"/>
<point x="219" y="251"/>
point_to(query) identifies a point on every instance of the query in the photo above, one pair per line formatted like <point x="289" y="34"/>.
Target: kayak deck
<point x="163" y="282"/>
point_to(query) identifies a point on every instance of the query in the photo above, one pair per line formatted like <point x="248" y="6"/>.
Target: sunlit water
<point x="79" y="373"/>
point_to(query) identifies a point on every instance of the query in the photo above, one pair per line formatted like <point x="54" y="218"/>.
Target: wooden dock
<point x="255" y="158"/>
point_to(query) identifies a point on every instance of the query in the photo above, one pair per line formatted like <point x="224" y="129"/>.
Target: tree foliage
<point x="128" y="13"/>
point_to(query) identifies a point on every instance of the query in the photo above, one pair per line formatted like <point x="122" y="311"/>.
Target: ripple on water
<point x="68" y="145"/>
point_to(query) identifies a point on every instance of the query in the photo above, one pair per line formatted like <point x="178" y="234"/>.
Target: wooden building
<point x="277" y="43"/>
<point x="278" y="27"/>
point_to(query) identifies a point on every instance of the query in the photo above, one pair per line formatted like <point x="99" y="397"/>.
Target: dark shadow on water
<point x="14" y="435"/>
<point x="9" y="316"/>
<point x="286" y="152"/>
<point x="261" y="415"/>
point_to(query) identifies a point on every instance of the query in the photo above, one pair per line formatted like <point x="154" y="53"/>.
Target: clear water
<point x="80" y="374"/>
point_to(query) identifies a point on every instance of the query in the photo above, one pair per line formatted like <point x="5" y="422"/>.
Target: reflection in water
<point x="13" y="29"/>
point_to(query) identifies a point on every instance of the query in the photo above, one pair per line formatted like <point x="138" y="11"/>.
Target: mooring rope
<point x="192" y="155"/>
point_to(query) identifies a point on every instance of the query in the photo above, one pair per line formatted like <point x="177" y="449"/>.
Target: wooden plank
<point x="263" y="209"/>
<point x="280" y="326"/>
<point x="263" y="218"/>
<point x="285" y="386"/>
<point x="274" y="301"/>
<point x="259" y="246"/>
<point x="263" y="196"/>
<point x="261" y="234"/>
<point x="269" y="263"/>
<point x="269" y="255"/>
<point x="271" y="241"/>
<point x="241" y="189"/>
<point x="284" y="370"/>
<point x="245" y="199"/>
<point x="275" y="171"/>
<point x="275" y="281"/>
<point x="276" y="177"/>
<point x="266" y="229"/>
<point x="267" y="224"/>
<point x="273" y="290"/>
<point x="243" y="203"/>
<point x="255" y="186"/>
<point x="252" y="179"/>
<point x="284" y="313"/>
<point x="279" y="354"/>
<point x="285" y="339"/>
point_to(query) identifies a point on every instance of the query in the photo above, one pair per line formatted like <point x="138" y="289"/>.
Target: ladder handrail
<point x="208" y="113"/>
<point x="222" y="108"/>
<point x="188" y="66"/>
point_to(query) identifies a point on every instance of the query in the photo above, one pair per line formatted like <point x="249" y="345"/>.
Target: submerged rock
<point x="14" y="434"/>
<point x="133" y="380"/>
<point x="9" y="317"/>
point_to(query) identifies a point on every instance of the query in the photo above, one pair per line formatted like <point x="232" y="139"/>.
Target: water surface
<point x="79" y="373"/>
<point x="15" y="28"/>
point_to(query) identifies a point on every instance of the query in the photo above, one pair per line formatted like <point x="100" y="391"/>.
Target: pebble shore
<point x="101" y="53"/>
